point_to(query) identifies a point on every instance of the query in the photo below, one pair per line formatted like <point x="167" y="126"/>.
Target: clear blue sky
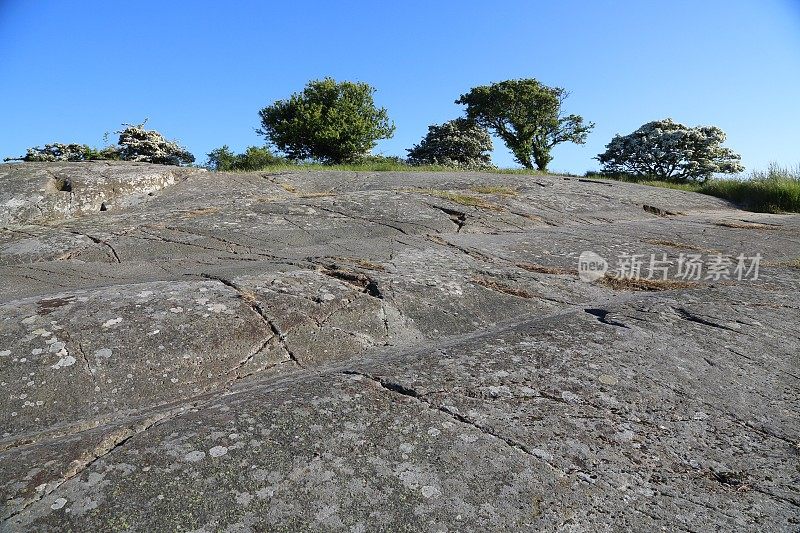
<point x="200" y="70"/>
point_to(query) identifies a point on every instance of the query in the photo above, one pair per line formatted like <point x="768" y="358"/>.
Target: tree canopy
<point x="328" y="121"/>
<point x="527" y="115"/>
<point x="458" y="143"/>
<point x="670" y="151"/>
<point x="254" y="158"/>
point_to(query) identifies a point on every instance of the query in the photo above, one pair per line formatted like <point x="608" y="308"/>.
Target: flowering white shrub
<point x="65" y="152"/>
<point x="135" y="144"/>
<point x="149" y="146"/>
<point x="670" y="151"/>
<point x="459" y="143"/>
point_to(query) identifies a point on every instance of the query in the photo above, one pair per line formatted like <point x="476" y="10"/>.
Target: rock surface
<point x="348" y="351"/>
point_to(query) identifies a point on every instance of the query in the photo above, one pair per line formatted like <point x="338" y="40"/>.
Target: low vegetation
<point x="670" y="151"/>
<point x="462" y="199"/>
<point x="775" y="190"/>
<point x="135" y="144"/>
<point x="459" y="143"/>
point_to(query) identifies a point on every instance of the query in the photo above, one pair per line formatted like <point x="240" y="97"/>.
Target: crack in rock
<point x="458" y="218"/>
<point x="602" y="316"/>
<point x="658" y="211"/>
<point x="250" y="299"/>
<point x="355" y="279"/>
<point x="686" y="315"/>
<point x="100" y="241"/>
<point x="413" y="393"/>
<point x="108" y="444"/>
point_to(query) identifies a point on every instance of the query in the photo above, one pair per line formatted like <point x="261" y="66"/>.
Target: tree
<point x="527" y="116"/>
<point x="670" y="151"/>
<point x="329" y="121"/>
<point x="459" y="143"/>
<point x="139" y="144"/>
<point x="254" y="158"/>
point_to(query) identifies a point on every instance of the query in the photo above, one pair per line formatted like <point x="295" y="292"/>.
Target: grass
<point x="494" y="189"/>
<point x="462" y="199"/>
<point x="639" y="284"/>
<point x="498" y="286"/>
<point x="382" y="164"/>
<point x="789" y="263"/>
<point x="775" y="190"/>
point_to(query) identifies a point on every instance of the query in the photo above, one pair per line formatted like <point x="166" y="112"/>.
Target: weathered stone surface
<point x="37" y="192"/>
<point x="368" y="351"/>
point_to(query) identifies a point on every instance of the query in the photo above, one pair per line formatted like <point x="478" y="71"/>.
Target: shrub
<point x="253" y="159"/>
<point x="329" y="122"/>
<point x="668" y="150"/>
<point x="66" y="152"/>
<point x="459" y="143"/>
<point x="135" y="144"/>
<point x="149" y="146"/>
<point x="527" y="115"/>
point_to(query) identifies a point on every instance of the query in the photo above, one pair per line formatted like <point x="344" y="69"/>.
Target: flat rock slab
<point x="345" y="351"/>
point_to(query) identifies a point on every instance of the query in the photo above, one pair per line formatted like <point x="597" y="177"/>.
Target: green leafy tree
<point x="670" y="151"/>
<point x="459" y="143"/>
<point x="527" y="115"/>
<point x="253" y="159"/>
<point x="329" y="121"/>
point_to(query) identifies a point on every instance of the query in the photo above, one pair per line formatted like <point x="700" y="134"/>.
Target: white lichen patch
<point x="56" y="347"/>
<point x="65" y="361"/>
<point x="5" y="353"/>
<point x="112" y="322"/>
<point x="217" y="451"/>
<point x="217" y="308"/>
<point x="104" y="353"/>
<point x="194" y="456"/>
<point x="58" y="503"/>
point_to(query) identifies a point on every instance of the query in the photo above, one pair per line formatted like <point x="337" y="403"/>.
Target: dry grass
<point x="316" y="194"/>
<point x="462" y="199"/>
<point x="494" y="285"/>
<point x="541" y="269"/>
<point x="363" y="263"/>
<point x="789" y="263"/>
<point x="745" y="225"/>
<point x="673" y="244"/>
<point x="200" y="212"/>
<point x="638" y="284"/>
<point x="494" y="189"/>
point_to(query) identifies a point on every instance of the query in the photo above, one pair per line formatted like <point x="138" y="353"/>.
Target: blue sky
<point x="201" y="70"/>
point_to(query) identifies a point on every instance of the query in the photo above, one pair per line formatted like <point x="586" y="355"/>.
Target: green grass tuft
<point x="775" y="190"/>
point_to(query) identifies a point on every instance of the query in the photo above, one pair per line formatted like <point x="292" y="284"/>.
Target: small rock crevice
<point x="686" y="315"/>
<point x="89" y="457"/>
<point x="356" y="279"/>
<point x="658" y="211"/>
<point x="458" y="218"/>
<point x="100" y="241"/>
<point x="399" y="388"/>
<point x="602" y="316"/>
<point x="250" y="300"/>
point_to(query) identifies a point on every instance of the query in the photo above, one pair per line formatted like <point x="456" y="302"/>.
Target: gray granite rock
<point x="345" y="351"/>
